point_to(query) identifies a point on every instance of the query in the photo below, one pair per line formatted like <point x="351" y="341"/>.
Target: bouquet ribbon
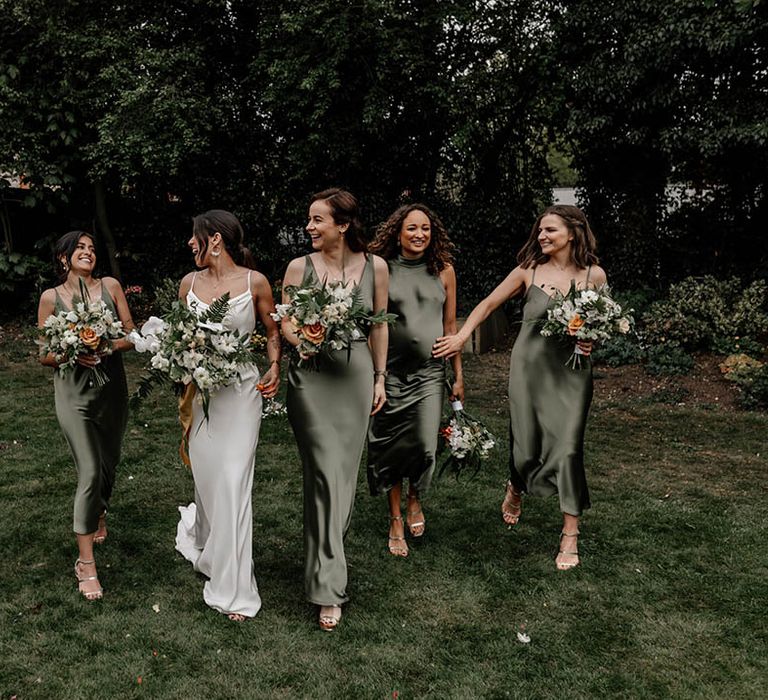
<point x="185" y="418"/>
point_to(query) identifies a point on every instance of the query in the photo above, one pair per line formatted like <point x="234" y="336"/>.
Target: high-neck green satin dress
<point x="93" y="421"/>
<point x="548" y="407"/>
<point x="328" y="409"/>
<point x="402" y="437"/>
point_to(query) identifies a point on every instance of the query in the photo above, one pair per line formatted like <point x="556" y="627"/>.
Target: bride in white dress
<point x="215" y="532"/>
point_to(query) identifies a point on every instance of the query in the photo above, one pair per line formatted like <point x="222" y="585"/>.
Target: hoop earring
<point x="215" y="253"/>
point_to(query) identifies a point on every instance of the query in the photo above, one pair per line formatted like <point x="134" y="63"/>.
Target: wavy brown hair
<point x="228" y="227"/>
<point x="439" y="252"/>
<point x="584" y="245"/>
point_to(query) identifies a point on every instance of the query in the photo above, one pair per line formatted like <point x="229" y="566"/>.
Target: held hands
<point x="584" y="345"/>
<point x="448" y="346"/>
<point x="88" y="359"/>
<point x="270" y="382"/>
<point x="379" y="395"/>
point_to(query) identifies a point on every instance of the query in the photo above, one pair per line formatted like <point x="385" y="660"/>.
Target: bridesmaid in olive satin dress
<point x="548" y="401"/>
<point x="92" y="418"/>
<point x="329" y="407"/>
<point x="402" y="438"/>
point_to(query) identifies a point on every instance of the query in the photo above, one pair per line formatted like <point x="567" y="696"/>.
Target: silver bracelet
<point x="380" y="373"/>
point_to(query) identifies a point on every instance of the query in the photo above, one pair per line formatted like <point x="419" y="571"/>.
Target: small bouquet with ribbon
<point x="89" y="328"/>
<point x="586" y="314"/>
<point x="329" y="317"/>
<point x="468" y="441"/>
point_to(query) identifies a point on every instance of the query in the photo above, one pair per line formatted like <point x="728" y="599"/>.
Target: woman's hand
<point x="379" y="395"/>
<point x="585" y="346"/>
<point x="457" y="390"/>
<point x="88" y="359"/>
<point x="270" y="382"/>
<point x="448" y="345"/>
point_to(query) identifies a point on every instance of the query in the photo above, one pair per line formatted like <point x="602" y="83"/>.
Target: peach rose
<point x="89" y="338"/>
<point x="575" y="323"/>
<point x="314" y="333"/>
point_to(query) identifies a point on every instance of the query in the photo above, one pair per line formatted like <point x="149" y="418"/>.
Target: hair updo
<point x="228" y="227"/>
<point x="345" y="210"/>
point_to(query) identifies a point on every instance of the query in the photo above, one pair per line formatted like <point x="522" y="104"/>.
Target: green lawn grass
<point x="669" y="601"/>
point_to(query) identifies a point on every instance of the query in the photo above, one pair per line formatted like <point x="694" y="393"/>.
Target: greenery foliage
<point x="668" y="358"/>
<point x="141" y="120"/>
<point x="708" y="314"/>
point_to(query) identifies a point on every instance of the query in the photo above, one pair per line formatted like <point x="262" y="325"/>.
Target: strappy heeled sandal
<point x="565" y="566"/>
<point x="328" y="623"/>
<point x="511" y="510"/>
<point x="99" y="539"/>
<point x="396" y="550"/>
<point x="419" y="523"/>
<point x="88" y="595"/>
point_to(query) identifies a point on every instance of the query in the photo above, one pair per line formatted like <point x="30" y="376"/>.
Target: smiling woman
<point x="92" y="415"/>
<point x="548" y="402"/>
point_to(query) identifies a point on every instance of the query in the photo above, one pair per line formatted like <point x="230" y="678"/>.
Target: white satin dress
<point x="215" y="532"/>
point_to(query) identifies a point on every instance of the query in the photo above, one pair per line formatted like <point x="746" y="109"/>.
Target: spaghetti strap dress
<point x="93" y="420"/>
<point x="402" y="437"/>
<point x="328" y="409"/>
<point x="548" y="408"/>
<point x="215" y="532"/>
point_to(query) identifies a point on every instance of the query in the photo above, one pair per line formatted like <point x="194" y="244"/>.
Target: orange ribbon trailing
<point x="185" y="418"/>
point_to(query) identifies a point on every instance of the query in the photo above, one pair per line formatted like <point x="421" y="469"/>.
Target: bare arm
<point x="448" y="278"/>
<point x="379" y="337"/>
<point x="514" y="283"/>
<point x="294" y="274"/>
<point x="44" y="310"/>
<point x="264" y="304"/>
<point x="123" y="313"/>
<point x="185" y="286"/>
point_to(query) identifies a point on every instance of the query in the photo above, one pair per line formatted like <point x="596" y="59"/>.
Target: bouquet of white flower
<point x="329" y="317"/>
<point x="586" y="314"/>
<point x="88" y="328"/>
<point x="188" y="349"/>
<point x="468" y="441"/>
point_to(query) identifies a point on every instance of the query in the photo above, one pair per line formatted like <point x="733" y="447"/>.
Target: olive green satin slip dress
<point x="402" y="437"/>
<point x="93" y="420"/>
<point x="548" y="407"/>
<point x="328" y="409"/>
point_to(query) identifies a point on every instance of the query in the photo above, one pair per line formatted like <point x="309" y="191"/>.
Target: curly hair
<point x="583" y="250"/>
<point x="439" y="253"/>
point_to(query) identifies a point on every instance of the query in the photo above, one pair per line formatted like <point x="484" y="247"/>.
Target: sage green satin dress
<point x="328" y="409"/>
<point x="548" y="407"/>
<point x="402" y="437"/>
<point x="93" y="420"/>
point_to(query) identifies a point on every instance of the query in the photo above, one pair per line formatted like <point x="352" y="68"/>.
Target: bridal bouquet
<point x="469" y="442"/>
<point x="192" y="350"/>
<point x="329" y="317"/>
<point x="89" y="328"/>
<point x="587" y="314"/>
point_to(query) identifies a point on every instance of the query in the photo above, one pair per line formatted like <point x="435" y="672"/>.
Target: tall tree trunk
<point x="100" y="197"/>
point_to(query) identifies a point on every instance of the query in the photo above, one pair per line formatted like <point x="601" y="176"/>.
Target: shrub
<point x="668" y="358"/>
<point x="619" y="350"/>
<point x="754" y="388"/>
<point x="707" y="314"/>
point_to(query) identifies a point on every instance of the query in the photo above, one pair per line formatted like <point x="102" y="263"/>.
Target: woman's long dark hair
<point x="227" y="225"/>
<point x="583" y="246"/>
<point x="65" y="248"/>
<point x="345" y="210"/>
<point x="439" y="252"/>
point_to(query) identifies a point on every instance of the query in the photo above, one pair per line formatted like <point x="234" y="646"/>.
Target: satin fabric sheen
<point x="328" y="409"/>
<point x="548" y="407"/>
<point x="93" y="421"/>
<point x="402" y="437"/>
<point x="215" y="531"/>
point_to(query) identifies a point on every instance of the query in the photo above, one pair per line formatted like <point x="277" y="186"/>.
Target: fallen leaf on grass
<point x="156" y="607"/>
<point x="523" y="638"/>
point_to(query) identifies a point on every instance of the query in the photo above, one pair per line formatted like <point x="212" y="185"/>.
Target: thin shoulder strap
<point x="249" y="280"/>
<point x="373" y="270"/>
<point x="586" y="282"/>
<point x="533" y="275"/>
<point x="192" y="286"/>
